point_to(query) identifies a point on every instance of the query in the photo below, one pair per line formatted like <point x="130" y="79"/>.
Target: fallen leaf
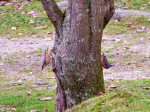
<point x="45" y="98"/>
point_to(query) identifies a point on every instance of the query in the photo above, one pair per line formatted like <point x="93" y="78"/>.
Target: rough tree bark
<point x="77" y="48"/>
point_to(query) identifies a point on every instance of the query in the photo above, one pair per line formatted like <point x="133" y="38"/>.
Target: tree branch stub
<point x="54" y="13"/>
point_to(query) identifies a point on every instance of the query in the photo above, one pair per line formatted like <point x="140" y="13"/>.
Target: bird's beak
<point x="43" y="66"/>
<point x="43" y="62"/>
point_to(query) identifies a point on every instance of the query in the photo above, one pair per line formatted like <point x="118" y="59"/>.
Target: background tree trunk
<point x="77" y="48"/>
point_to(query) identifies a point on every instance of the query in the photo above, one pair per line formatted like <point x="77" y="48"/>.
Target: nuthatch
<point x="47" y="59"/>
<point x="105" y="62"/>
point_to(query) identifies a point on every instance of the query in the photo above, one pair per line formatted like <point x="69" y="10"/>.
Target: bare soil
<point x="128" y="53"/>
<point x="20" y="60"/>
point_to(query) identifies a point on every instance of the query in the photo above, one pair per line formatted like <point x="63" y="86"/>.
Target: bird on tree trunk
<point x="47" y="59"/>
<point x="104" y="62"/>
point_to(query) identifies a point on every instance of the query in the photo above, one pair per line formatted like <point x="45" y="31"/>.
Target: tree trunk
<point x="77" y="48"/>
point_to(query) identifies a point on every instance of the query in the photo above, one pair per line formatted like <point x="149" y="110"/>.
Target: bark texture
<point x="77" y="48"/>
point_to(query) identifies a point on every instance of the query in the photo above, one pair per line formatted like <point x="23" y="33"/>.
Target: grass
<point x="115" y="28"/>
<point x="17" y="23"/>
<point x="129" y="96"/>
<point x="126" y="25"/>
<point x="135" y="4"/>
<point x="17" y="97"/>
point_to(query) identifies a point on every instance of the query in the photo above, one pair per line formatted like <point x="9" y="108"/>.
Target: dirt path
<point x="20" y="59"/>
<point x="129" y="55"/>
<point x="122" y="13"/>
<point x="27" y="45"/>
<point x="119" y="13"/>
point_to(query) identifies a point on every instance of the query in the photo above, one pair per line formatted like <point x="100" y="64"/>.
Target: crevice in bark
<point x="60" y="64"/>
<point x="70" y="12"/>
<point x="91" y="34"/>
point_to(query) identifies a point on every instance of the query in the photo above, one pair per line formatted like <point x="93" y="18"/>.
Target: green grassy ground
<point x="123" y="96"/>
<point x="19" y="23"/>
<point x="129" y="96"/>
<point x="135" y="4"/>
<point x="18" y="98"/>
<point x="26" y="96"/>
<point x="127" y="25"/>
